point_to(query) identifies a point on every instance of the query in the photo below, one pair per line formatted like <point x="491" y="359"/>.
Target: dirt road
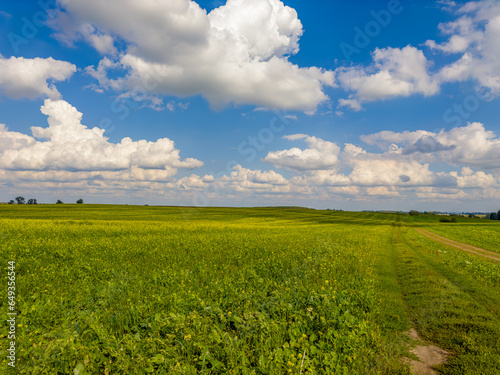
<point x="459" y="245"/>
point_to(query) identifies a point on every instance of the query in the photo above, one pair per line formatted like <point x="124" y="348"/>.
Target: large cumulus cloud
<point x="238" y="53"/>
<point x="68" y="145"/>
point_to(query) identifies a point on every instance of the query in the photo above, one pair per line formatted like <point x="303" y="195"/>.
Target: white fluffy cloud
<point x="32" y="78"/>
<point x="400" y="72"/>
<point x="235" y="54"/>
<point x="405" y="163"/>
<point x="256" y="177"/>
<point x="406" y="160"/>
<point x="386" y="138"/>
<point x="72" y="32"/>
<point x="239" y="180"/>
<point x="476" y="37"/>
<point x="468" y="178"/>
<point x="470" y="145"/>
<point x="320" y="155"/>
<point x="320" y="165"/>
<point x="394" y="73"/>
<point x="378" y="171"/>
<point x="355" y="175"/>
<point x="70" y="146"/>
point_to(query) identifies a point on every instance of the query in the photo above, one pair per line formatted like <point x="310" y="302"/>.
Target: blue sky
<point x="351" y="105"/>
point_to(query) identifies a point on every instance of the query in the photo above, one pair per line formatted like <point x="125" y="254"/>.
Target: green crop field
<point x="169" y="290"/>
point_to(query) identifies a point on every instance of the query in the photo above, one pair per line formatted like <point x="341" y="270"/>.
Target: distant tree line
<point x="493" y="215"/>
<point x="22" y="200"/>
<point x="489" y="216"/>
<point x="416" y="213"/>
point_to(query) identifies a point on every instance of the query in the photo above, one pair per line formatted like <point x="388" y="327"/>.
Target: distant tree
<point x="12" y="201"/>
<point x="79" y="201"/>
<point x="498" y="215"/>
<point x="472" y="216"/>
<point x="488" y="216"/>
<point x="20" y="200"/>
<point x="414" y="213"/>
<point x="493" y="216"/>
<point x="32" y="201"/>
<point x="59" y="201"/>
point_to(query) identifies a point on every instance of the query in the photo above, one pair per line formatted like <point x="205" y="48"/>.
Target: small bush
<point x="448" y="220"/>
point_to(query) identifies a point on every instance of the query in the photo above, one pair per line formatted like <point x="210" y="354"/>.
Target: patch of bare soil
<point x="429" y="356"/>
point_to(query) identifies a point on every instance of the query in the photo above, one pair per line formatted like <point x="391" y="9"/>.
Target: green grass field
<point x="169" y="290"/>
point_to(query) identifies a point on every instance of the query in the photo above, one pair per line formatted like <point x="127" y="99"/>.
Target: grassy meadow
<point x="169" y="290"/>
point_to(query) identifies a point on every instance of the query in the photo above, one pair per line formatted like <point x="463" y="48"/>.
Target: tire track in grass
<point x="423" y="356"/>
<point x="445" y="312"/>
<point x="459" y="245"/>
<point x="391" y="315"/>
<point x="443" y="257"/>
<point x="404" y="265"/>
